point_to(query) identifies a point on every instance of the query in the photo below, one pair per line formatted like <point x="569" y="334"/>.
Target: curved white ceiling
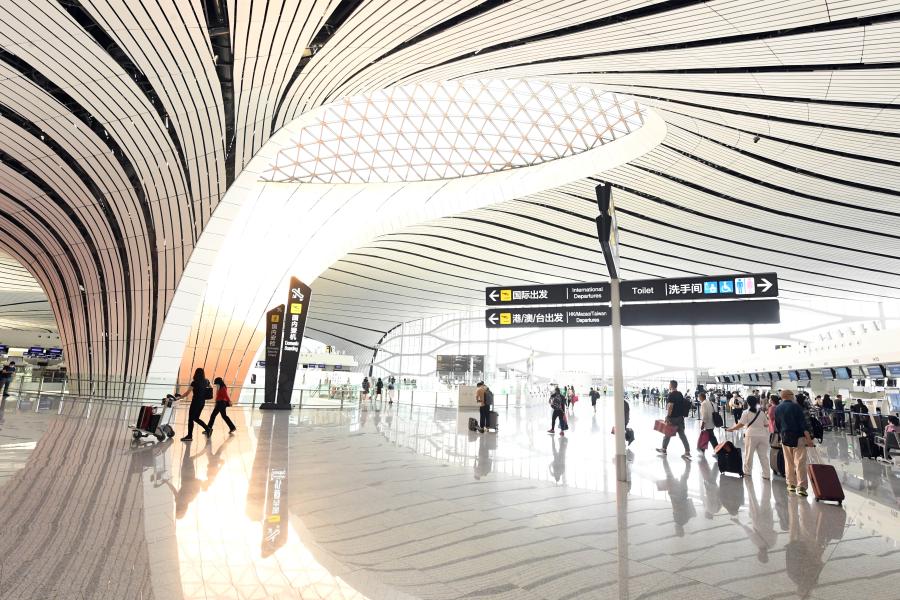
<point x="122" y="125"/>
<point x="441" y="130"/>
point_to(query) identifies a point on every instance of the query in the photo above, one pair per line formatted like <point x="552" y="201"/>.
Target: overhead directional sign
<point x="548" y="316"/>
<point x="556" y="293"/>
<point x="680" y="313"/>
<point x="722" y="287"/>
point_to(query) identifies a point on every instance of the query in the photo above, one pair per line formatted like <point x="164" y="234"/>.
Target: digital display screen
<point x="54" y="352"/>
<point x="804" y="374"/>
<point x="793" y="376"/>
<point x="843" y="373"/>
<point x="875" y="371"/>
<point x="894" y="399"/>
<point x="893" y="370"/>
<point x="460" y="363"/>
<point x="827" y="373"/>
<point x="35" y="351"/>
<point x="775" y="376"/>
<point x="4" y="349"/>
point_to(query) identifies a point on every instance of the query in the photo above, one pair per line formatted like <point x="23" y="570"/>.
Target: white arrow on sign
<point x="493" y="295"/>
<point x="493" y="318"/>
<point x="765" y="285"/>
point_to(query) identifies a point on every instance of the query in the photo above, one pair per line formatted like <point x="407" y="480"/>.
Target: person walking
<point x="558" y="405"/>
<point x="200" y="391"/>
<point x="379" y="388"/>
<point x="481" y="401"/>
<point x="770" y="412"/>
<point x="827" y="406"/>
<point x="391" y="382"/>
<point x="737" y="407"/>
<point x="6" y="376"/>
<point x="595" y="395"/>
<point x="756" y="436"/>
<point x="365" y="389"/>
<point x="223" y="401"/>
<point x="795" y="438"/>
<point x="676" y="410"/>
<point x="707" y="422"/>
<point x="839" y="415"/>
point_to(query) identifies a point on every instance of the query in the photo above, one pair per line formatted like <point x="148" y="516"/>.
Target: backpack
<point x="680" y="406"/>
<point x="818" y="432"/>
<point x="717" y="419"/>
<point x="488" y="397"/>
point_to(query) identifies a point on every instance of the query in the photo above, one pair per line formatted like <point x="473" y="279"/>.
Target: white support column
<point x="618" y="382"/>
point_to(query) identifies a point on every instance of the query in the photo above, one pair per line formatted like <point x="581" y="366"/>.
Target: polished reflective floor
<point x="403" y="502"/>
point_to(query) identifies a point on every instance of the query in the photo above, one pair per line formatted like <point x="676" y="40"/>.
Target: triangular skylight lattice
<point x="431" y="131"/>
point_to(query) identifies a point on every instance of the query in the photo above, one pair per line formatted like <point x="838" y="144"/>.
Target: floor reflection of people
<point x="803" y="553"/>
<point x="558" y="466"/>
<point x="483" y="462"/>
<point x="190" y="486"/>
<point x="762" y="522"/>
<point x="214" y="461"/>
<point x="731" y="490"/>
<point x="683" y="509"/>
<point x="712" y="501"/>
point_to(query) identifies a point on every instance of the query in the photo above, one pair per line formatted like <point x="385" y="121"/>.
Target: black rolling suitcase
<point x="776" y="460"/>
<point x="492" y="420"/>
<point x="729" y="459"/>
<point x="867" y="448"/>
<point x="473" y="424"/>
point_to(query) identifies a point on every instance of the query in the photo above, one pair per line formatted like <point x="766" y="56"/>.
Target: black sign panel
<point x="721" y="287"/>
<point x="294" y="323"/>
<point x="702" y="313"/>
<point x="682" y="313"/>
<point x="274" y="322"/>
<point x="548" y="316"/>
<point x="460" y="363"/>
<point x="555" y="293"/>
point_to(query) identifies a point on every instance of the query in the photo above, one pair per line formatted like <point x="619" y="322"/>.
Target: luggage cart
<point x="155" y="420"/>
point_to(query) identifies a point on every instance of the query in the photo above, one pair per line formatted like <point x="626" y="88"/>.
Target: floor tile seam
<point x="392" y="508"/>
<point x="557" y="575"/>
<point x="388" y="529"/>
<point x="507" y="567"/>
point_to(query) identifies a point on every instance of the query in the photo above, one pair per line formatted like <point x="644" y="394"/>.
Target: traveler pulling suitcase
<point x="825" y="483"/>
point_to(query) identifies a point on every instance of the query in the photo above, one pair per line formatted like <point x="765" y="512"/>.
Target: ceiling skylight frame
<point x="447" y="130"/>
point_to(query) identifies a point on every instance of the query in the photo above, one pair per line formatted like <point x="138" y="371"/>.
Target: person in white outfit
<point x="756" y="437"/>
<point x="706" y="419"/>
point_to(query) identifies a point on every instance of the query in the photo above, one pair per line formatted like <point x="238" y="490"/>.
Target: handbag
<point x="564" y="423"/>
<point x="703" y="440"/>
<point x="775" y="439"/>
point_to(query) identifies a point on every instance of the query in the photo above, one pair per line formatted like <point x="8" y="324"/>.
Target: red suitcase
<point x="825" y="483"/>
<point x="664" y="428"/>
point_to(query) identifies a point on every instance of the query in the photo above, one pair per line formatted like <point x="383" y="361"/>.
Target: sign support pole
<point x="618" y="382"/>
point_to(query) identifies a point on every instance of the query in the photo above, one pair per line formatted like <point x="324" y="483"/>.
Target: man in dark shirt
<point x="790" y="421"/>
<point x="676" y="411"/>
<point x="6" y="376"/>
<point x="595" y="395"/>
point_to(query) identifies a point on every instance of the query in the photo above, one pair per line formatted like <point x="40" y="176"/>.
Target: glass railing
<point x="43" y="392"/>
